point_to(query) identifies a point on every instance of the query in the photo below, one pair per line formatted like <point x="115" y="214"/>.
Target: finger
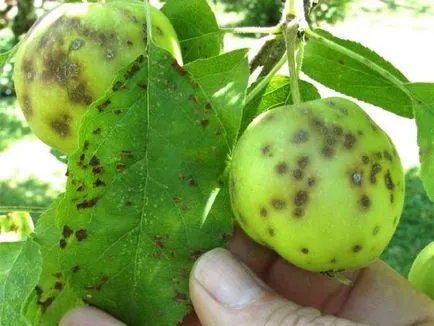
<point x="225" y="292"/>
<point x="87" y="316"/>
<point x="379" y="294"/>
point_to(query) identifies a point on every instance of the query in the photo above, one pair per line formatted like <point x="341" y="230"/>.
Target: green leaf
<point x="140" y="203"/>
<point x="224" y="79"/>
<point x="424" y="114"/>
<point x="277" y="93"/>
<point x="6" y="56"/>
<point x="197" y="28"/>
<point x="355" y="78"/>
<point x="53" y="296"/>
<point x="20" y="267"/>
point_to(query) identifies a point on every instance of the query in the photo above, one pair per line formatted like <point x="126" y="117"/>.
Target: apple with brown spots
<point x="320" y="183"/>
<point x="71" y="56"/>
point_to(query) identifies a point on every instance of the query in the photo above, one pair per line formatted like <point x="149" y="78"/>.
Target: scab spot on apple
<point x="60" y="125"/>
<point x="27" y="107"/>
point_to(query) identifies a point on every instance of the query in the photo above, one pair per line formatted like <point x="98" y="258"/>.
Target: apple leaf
<point x="196" y="27"/>
<point x="144" y="195"/>
<point x="277" y="93"/>
<point x="356" y="78"/>
<point x="225" y="79"/>
<point x="423" y="94"/>
<point x="20" y="267"/>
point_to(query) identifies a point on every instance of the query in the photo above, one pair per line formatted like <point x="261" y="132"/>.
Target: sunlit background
<point x="401" y="31"/>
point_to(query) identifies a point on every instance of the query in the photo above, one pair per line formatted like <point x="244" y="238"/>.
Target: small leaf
<point x="6" y="56"/>
<point x="197" y="28"/>
<point x="224" y="79"/>
<point x="354" y="78"/>
<point x="423" y="94"/>
<point x="277" y="93"/>
<point x="20" y="267"/>
<point x="136" y="212"/>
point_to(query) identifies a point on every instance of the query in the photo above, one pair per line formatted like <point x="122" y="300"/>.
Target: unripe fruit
<point x="320" y="183"/>
<point x="422" y="271"/>
<point x="71" y="56"/>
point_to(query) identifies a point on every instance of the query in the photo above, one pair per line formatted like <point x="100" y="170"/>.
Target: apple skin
<point x="70" y="57"/>
<point x="318" y="182"/>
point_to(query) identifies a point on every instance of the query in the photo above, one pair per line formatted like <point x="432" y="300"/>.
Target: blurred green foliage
<point x="415" y="229"/>
<point x="28" y="193"/>
<point x="11" y="128"/>
<point x="267" y="12"/>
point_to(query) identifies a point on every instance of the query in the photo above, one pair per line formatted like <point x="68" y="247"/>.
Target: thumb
<point x="225" y="292"/>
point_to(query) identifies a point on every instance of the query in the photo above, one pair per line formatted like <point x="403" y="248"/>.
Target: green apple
<point x="318" y="182"/>
<point x="421" y="274"/>
<point x="71" y="56"/>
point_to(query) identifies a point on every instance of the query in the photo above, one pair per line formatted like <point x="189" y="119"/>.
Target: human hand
<point x="254" y="286"/>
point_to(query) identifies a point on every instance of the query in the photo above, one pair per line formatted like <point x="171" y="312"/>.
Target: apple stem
<point x="290" y="34"/>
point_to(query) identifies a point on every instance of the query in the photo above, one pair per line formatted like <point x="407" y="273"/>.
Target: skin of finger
<point x="377" y="283"/>
<point x="88" y="316"/>
<point x="269" y="309"/>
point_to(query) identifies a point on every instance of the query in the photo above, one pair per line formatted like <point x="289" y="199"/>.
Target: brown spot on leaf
<point x="375" y="230"/>
<point x="81" y="234"/>
<point x="45" y="304"/>
<point x="58" y="286"/>
<point x="99" y="183"/>
<point x="158" y="241"/>
<point x="62" y="243"/>
<point x="142" y="86"/>
<point x="263" y="212"/>
<point x="102" y="106"/>
<point x="134" y="69"/>
<point x="271" y="232"/>
<point x="180" y="70"/>
<point x="75" y="269"/>
<point x="305" y="251"/>
<point x="192" y="182"/>
<point x="87" y="203"/>
<point x="67" y="232"/>
<point x="181" y="297"/>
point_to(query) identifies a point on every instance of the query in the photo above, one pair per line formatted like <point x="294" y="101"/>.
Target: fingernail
<point x="226" y="279"/>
